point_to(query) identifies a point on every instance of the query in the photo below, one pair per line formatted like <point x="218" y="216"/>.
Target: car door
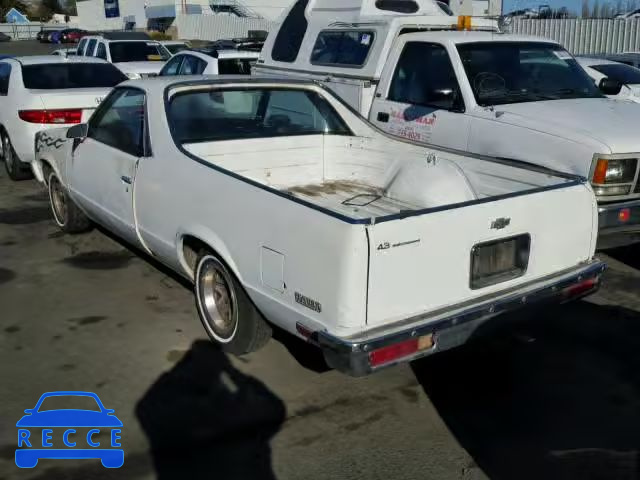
<point x="104" y="164"/>
<point x="419" y="97"/>
<point x="91" y="47"/>
<point x="192" y="65"/>
<point x="101" y="51"/>
<point x="172" y="67"/>
<point x="5" y="73"/>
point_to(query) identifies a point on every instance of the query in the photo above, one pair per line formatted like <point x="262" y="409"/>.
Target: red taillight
<point x="582" y="287"/>
<point x="393" y="352"/>
<point x="51" y="116"/>
<point x="624" y="215"/>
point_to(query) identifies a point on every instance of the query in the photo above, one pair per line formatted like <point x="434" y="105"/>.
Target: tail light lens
<point x="400" y="350"/>
<point x="51" y="116"/>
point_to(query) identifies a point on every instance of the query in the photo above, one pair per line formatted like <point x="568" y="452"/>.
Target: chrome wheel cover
<point x="58" y="200"/>
<point x="216" y="299"/>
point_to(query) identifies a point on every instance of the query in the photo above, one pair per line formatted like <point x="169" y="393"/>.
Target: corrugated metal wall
<point x="584" y="36"/>
<point x="215" y="27"/>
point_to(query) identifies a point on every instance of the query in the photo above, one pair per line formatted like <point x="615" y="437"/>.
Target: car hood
<point x="140" y="67"/>
<point x="611" y="123"/>
<point x="69" y="418"/>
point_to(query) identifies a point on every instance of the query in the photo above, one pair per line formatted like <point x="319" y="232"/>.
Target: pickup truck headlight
<point x="133" y="76"/>
<point x="614" y="176"/>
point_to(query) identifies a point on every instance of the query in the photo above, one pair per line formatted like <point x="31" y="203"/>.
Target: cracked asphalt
<point x="551" y="394"/>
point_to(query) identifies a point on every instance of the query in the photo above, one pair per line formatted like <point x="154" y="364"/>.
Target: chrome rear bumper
<point x="452" y="328"/>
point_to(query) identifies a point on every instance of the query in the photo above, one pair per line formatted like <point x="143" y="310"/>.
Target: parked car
<point x="134" y="53"/>
<point x="600" y="69"/>
<point x="72" y="35"/>
<point x="65" y="52"/>
<point x="41" y="92"/>
<point x="4" y="37"/>
<point x="55" y="37"/>
<point x="628" y="58"/>
<point x="509" y="96"/>
<point x="174" y="47"/>
<point x="270" y="178"/>
<point x="43" y="35"/>
<point x="210" y="62"/>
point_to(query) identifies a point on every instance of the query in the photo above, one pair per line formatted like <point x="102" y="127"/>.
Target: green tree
<point x="585" y="9"/>
<point x="6" y="5"/>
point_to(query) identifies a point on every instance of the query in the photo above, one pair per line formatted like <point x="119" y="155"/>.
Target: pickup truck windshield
<point x="137" y="52"/>
<point x="197" y="116"/>
<point x="56" y="76"/>
<point x="620" y="72"/>
<point x="516" y="72"/>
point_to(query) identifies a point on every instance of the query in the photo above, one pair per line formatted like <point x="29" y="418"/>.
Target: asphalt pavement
<point x="549" y="394"/>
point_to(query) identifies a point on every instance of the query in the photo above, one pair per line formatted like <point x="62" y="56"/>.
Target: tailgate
<point x="85" y="99"/>
<point x="428" y="262"/>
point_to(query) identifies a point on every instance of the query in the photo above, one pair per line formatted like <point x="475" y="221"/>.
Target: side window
<point x="5" y="73"/>
<point x="102" y="51"/>
<point x="90" y="47"/>
<point x="424" y="76"/>
<point x="81" y="45"/>
<point x="119" y="122"/>
<point x="346" y="48"/>
<point x="172" y="67"/>
<point x="191" y="65"/>
<point x="289" y="39"/>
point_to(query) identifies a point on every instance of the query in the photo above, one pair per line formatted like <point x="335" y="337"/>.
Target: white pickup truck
<point x="403" y="65"/>
<point x="281" y="203"/>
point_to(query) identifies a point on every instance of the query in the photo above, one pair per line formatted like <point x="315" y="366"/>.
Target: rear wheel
<point x="15" y="168"/>
<point x="226" y="312"/>
<point x="66" y="214"/>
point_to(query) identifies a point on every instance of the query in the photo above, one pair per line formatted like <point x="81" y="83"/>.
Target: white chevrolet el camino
<point x="286" y="207"/>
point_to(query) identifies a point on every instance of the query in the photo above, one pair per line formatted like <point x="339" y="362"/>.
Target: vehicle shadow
<point x="629" y="255"/>
<point x="205" y="419"/>
<point x="552" y="397"/>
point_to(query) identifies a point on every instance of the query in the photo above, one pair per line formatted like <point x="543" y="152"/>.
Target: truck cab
<point x="460" y="83"/>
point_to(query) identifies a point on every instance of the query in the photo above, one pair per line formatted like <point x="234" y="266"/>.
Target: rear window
<point x="204" y="116"/>
<point x="619" y="72"/>
<point x="57" y="76"/>
<point x="348" y="48"/>
<point x="235" y="66"/>
<point x="137" y="52"/>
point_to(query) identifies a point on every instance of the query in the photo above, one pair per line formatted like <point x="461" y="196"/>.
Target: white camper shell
<point x="298" y="45"/>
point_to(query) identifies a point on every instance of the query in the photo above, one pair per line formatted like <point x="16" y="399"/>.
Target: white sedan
<point x="600" y="68"/>
<point x="210" y="62"/>
<point x="41" y="92"/>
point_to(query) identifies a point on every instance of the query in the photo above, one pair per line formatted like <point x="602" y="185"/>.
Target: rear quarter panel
<point x="276" y="247"/>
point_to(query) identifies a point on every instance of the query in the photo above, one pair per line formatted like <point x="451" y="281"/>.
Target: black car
<point x="4" y="38"/>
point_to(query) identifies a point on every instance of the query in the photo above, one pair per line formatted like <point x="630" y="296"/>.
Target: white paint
<point x="324" y="258"/>
<point x="21" y="133"/>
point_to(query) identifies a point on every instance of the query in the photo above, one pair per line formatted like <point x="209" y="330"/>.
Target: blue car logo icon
<point x="40" y="427"/>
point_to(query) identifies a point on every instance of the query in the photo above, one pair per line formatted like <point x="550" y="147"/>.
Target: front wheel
<point x="66" y="213"/>
<point x="226" y="312"/>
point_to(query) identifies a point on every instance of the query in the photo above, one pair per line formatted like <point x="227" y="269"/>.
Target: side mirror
<point x="78" y="131"/>
<point x="609" y="86"/>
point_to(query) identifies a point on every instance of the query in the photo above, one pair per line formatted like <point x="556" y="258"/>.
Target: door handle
<point x="383" y="117"/>
<point x="126" y="180"/>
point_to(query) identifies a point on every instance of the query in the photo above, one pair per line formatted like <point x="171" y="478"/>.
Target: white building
<point x="118" y="14"/>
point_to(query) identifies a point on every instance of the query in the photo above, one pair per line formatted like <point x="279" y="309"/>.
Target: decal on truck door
<point x="413" y="123"/>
